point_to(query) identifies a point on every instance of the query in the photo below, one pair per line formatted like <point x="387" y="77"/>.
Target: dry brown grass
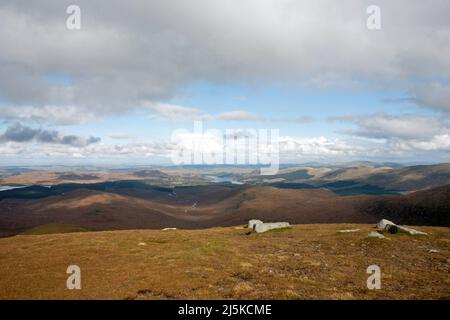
<point x="305" y="262"/>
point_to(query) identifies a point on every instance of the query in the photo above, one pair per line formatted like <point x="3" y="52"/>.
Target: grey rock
<point x="252" y="223"/>
<point x="348" y="230"/>
<point x="383" y="224"/>
<point x="390" y="226"/>
<point x="374" y="234"/>
<point x="264" y="227"/>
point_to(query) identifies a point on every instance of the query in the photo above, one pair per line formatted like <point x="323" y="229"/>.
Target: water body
<point x="221" y="179"/>
<point x="4" y="188"/>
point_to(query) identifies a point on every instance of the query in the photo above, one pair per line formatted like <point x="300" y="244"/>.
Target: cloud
<point x="164" y="111"/>
<point x="238" y="115"/>
<point x="383" y="126"/>
<point x="121" y="136"/>
<point x="19" y="133"/>
<point x="53" y="114"/>
<point x="292" y="150"/>
<point x="434" y="96"/>
<point x="403" y="133"/>
<point x="241" y="115"/>
<point x="129" y="52"/>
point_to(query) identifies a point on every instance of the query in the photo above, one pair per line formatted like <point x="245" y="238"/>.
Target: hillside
<point x="305" y="262"/>
<point x="125" y="205"/>
<point x="361" y="179"/>
<point x="428" y="207"/>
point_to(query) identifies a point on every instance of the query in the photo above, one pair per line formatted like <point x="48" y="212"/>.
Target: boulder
<point x="252" y="223"/>
<point x="393" y="228"/>
<point x="383" y="224"/>
<point x="264" y="227"/>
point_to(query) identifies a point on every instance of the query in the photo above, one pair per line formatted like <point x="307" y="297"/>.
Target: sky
<point x="116" y="90"/>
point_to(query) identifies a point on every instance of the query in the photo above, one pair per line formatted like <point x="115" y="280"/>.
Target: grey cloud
<point x="241" y="115"/>
<point x="403" y="127"/>
<point x="134" y="51"/>
<point x="400" y="100"/>
<point x="20" y="133"/>
<point x="435" y="96"/>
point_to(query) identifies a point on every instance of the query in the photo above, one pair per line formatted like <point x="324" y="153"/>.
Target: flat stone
<point x="348" y="230"/>
<point x="374" y="234"/>
<point x="264" y="227"/>
<point x="410" y="231"/>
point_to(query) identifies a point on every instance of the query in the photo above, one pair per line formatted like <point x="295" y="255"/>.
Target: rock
<point x="394" y="228"/>
<point x="433" y="251"/>
<point x="410" y="231"/>
<point x="264" y="227"/>
<point x="168" y="229"/>
<point x="252" y="223"/>
<point x="348" y="230"/>
<point x="374" y="234"/>
<point x="142" y="244"/>
<point x="383" y="224"/>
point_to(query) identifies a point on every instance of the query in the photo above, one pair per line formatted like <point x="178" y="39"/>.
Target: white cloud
<point x="239" y="115"/>
<point x="164" y="111"/>
<point x="407" y="127"/>
<point x="121" y="136"/>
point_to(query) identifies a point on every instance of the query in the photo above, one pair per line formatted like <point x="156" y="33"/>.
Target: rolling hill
<point x="125" y="205"/>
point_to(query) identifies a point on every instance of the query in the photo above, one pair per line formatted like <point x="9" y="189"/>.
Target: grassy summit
<point x="304" y="262"/>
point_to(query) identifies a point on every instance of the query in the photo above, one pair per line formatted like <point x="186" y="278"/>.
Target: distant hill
<point x="428" y="207"/>
<point x="53" y="228"/>
<point x="366" y="179"/>
<point x="412" y="178"/>
<point x="134" y="205"/>
<point x="150" y="173"/>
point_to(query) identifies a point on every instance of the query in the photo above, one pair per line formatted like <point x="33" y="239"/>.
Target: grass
<point x="53" y="228"/>
<point x="307" y="262"/>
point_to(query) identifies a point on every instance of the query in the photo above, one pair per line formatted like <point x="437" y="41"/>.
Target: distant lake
<point x="228" y="179"/>
<point x="4" y="188"/>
